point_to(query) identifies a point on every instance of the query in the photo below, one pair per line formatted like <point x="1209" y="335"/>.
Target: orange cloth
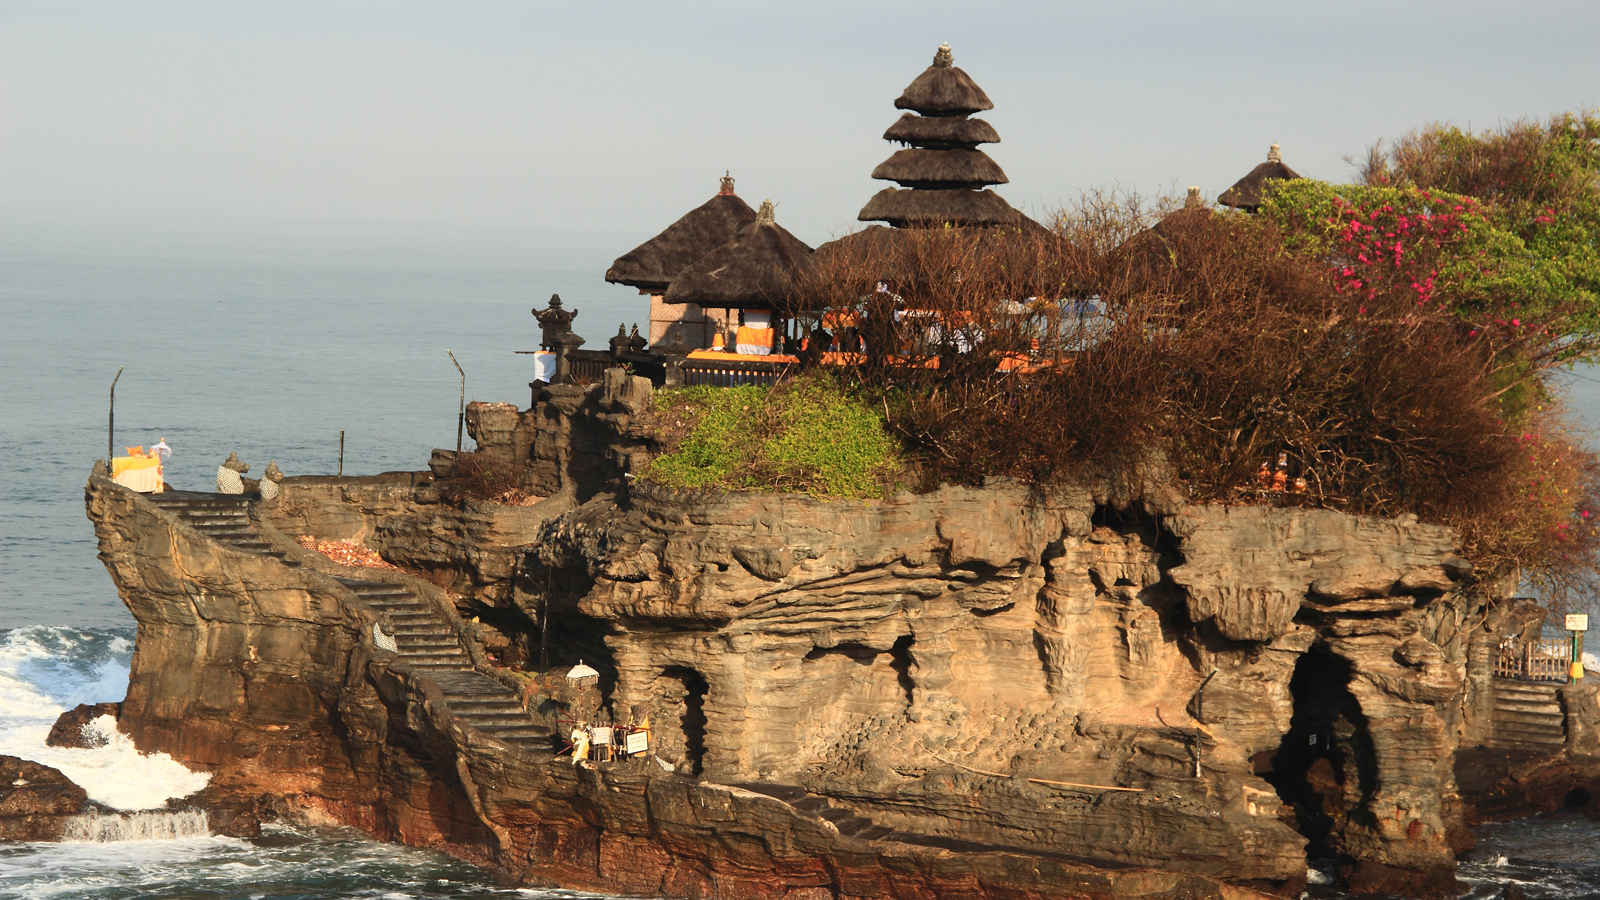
<point x="749" y="338"/>
<point x="140" y="473"/>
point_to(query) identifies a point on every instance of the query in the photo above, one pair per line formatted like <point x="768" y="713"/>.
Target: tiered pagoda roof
<point x="942" y="175"/>
<point x="755" y="270"/>
<point x="652" y="265"/>
<point x="1246" y="193"/>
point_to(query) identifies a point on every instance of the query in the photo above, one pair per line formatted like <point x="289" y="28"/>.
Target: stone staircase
<point x="224" y="518"/>
<point x="424" y="638"/>
<point x="1527" y="716"/>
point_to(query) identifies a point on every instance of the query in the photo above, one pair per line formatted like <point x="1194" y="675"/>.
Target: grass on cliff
<point x="807" y="435"/>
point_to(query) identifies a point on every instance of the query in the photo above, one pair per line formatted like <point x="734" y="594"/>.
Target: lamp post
<point x="1577" y="623"/>
<point x="111" y="417"/>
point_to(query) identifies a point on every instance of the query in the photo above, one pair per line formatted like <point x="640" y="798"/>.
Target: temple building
<point x="754" y="273"/>
<point x="652" y="265"/>
<point x="1247" y="192"/>
<point x="943" y="176"/>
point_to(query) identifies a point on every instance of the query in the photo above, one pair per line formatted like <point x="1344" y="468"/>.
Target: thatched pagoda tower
<point x="1247" y="192"/>
<point x="942" y="174"/>
<point x="755" y="272"/>
<point x="652" y="265"/>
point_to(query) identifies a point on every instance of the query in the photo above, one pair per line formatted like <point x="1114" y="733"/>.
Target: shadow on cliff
<point x="1326" y="769"/>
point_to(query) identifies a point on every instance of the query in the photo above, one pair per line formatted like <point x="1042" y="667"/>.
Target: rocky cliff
<point x="971" y="692"/>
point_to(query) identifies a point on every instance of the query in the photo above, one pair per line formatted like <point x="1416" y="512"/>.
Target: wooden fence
<point x="1543" y="659"/>
<point x="589" y="366"/>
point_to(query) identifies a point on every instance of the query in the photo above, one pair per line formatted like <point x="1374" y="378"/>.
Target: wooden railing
<point x="1543" y="659"/>
<point x="589" y="366"/>
<point x="730" y="373"/>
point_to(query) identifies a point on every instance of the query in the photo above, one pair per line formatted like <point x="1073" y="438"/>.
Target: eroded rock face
<point x="1099" y="691"/>
<point x="874" y="651"/>
<point x="36" y="801"/>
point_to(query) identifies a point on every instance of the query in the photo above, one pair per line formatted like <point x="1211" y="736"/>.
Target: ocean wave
<point x="48" y="669"/>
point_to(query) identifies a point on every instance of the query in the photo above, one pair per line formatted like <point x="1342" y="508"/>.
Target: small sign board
<point x="637" y="742"/>
<point x="1577" y="622"/>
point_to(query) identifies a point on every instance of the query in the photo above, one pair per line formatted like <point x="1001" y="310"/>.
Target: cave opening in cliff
<point x="691" y="714"/>
<point x="1325" y="769"/>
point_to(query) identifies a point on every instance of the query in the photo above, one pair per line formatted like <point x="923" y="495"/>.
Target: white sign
<point x="637" y="742"/>
<point x="1578" y="622"/>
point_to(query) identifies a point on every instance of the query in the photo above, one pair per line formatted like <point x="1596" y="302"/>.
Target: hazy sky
<point x="524" y="131"/>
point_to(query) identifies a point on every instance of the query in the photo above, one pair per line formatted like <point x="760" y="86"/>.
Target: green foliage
<point x="1539" y="184"/>
<point x="1477" y="263"/>
<point x="805" y="435"/>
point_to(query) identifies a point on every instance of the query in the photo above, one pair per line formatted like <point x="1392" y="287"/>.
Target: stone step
<point x="1528" y="732"/>
<point x="418" y="628"/>
<point x="452" y="655"/>
<point x="444" y="639"/>
<point x="429" y="648"/>
<point x="481" y="719"/>
<point x="1536" y="710"/>
<point x="504" y="732"/>
<point x="471" y="685"/>
<point x="490" y="702"/>
<point x="1543" y="689"/>
<point x="1531" y="720"/>
<point x="394" y="600"/>
<point x="414" y="615"/>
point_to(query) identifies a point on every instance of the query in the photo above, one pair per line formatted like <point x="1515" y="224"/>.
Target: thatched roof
<point x="652" y="265"/>
<point x="1246" y="193"/>
<point x="940" y="169"/>
<point x="923" y="206"/>
<point x="941" y="131"/>
<point x="757" y="269"/>
<point x="1156" y="245"/>
<point x="943" y="90"/>
<point x="879" y="241"/>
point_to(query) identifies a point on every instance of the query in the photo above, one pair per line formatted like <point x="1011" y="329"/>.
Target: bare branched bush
<point x="1205" y="340"/>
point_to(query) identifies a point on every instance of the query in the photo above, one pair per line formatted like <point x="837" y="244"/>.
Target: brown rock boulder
<point x="36" y="801"/>
<point x="68" y="730"/>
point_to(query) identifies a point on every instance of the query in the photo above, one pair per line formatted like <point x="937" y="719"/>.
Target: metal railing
<point x="1542" y="659"/>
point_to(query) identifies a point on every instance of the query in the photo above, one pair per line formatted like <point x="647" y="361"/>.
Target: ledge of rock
<point x="975" y="692"/>
<point x="36" y="801"/>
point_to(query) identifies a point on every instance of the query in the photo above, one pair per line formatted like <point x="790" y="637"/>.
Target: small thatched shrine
<point x="943" y="177"/>
<point x="755" y="273"/>
<point x="652" y="265"/>
<point x="1157" y="246"/>
<point x="1246" y="193"/>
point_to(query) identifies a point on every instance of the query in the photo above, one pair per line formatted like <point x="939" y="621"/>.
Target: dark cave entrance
<point x="691" y="711"/>
<point x="1325" y="769"/>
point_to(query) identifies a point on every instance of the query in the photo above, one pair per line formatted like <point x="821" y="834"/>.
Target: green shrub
<point x="805" y="435"/>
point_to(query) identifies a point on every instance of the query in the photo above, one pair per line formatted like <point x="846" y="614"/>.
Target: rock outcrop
<point x="36" y="801"/>
<point x="69" y="727"/>
<point x="970" y="692"/>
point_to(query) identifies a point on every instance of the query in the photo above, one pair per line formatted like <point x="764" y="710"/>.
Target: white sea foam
<point x="46" y="670"/>
<point x="140" y="826"/>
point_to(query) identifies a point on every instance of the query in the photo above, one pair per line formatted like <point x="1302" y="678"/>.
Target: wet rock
<point x="36" y="801"/>
<point x="68" y="730"/>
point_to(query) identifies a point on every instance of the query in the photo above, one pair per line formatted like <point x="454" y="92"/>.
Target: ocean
<point x="271" y="360"/>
